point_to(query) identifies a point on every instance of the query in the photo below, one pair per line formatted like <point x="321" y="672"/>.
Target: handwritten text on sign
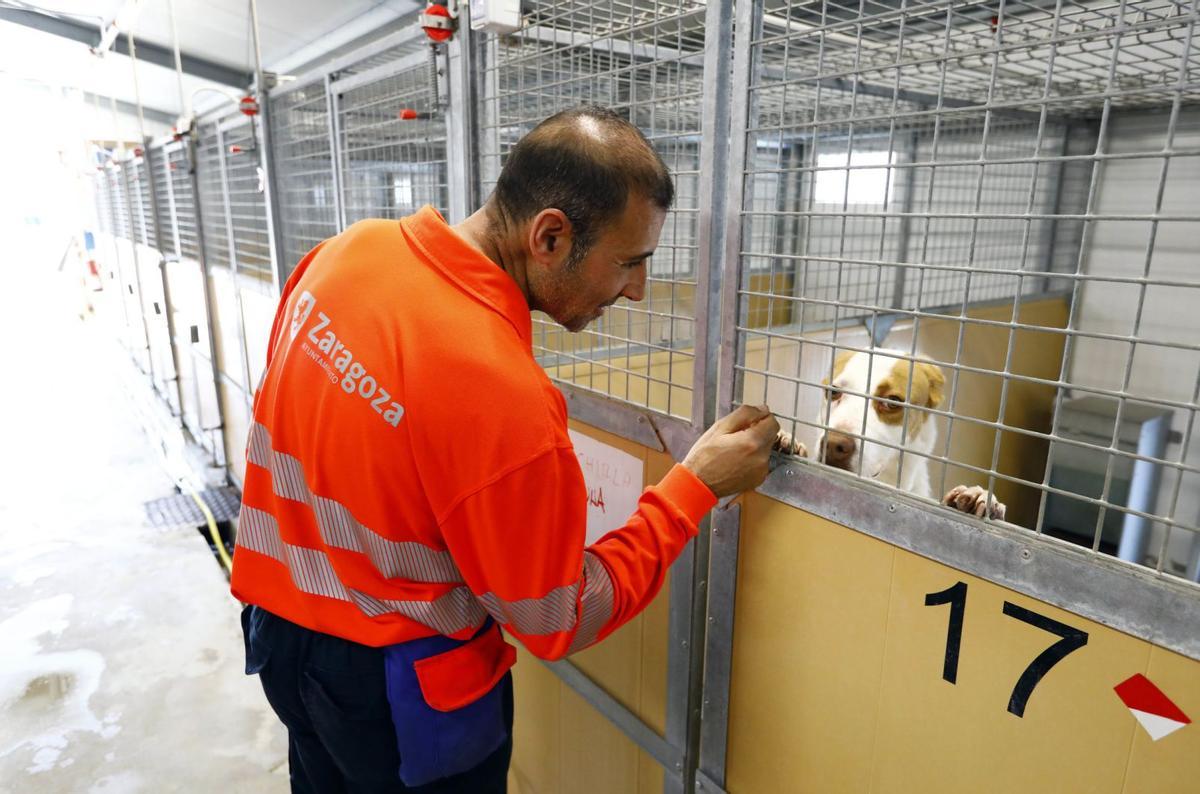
<point x="614" y="482"/>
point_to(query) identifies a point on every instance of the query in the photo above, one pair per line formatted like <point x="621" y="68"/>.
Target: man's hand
<point x="732" y="455"/>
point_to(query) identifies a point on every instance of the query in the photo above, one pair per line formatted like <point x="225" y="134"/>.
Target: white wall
<point x="1169" y="314"/>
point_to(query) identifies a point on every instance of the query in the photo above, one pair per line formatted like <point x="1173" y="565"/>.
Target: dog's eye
<point x="890" y="403"/>
<point x="835" y="394"/>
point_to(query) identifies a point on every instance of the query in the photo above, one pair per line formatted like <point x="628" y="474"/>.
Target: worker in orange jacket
<point x="411" y="489"/>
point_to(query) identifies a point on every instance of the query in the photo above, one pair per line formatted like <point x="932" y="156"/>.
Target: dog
<point x="892" y="416"/>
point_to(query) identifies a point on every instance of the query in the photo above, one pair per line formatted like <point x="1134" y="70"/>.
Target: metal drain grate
<point x="181" y="510"/>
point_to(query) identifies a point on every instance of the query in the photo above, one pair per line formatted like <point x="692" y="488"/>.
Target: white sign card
<point x="614" y="484"/>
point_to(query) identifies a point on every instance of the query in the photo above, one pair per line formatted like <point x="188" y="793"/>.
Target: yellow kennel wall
<point x="837" y="679"/>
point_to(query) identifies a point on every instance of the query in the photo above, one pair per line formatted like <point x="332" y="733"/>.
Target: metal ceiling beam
<point x="147" y="52"/>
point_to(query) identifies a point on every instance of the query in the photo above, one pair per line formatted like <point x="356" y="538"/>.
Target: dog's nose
<point x="837" y="449"/>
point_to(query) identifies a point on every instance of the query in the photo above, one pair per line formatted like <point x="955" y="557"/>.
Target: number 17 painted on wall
<point x="1072" y="639"/>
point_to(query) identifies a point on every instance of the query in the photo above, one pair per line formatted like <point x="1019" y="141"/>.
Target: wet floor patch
<point x="44" y="695"/>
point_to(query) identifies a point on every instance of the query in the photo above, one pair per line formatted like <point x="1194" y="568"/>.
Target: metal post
<point x="168" y="309"/>
<point x="679" y="663"/>
<point x="234" y="271"/>
<point x="137" y="270"/>
<point x="118" y="272"/>
<point x="1143" y="487"/>
<point x="749" y="20"/>
<point x="335" y="152"/>
<point x="486" y="60"/>
<point x="266" y="141"/>
<point x="208" y="315"/>
<point x="690" y="575"/>
<point x="718" y="647"/>
<point x="461" y="129"/>
<point x="266" y="162"/>
<point x="722" y="553"/>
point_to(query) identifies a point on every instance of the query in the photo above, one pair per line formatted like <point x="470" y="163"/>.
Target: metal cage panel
<point x="103" y="199"/>
<point x="120" y="202"/>
<point x="945" y="179"/>
<point x="139" y="183"/>
<point x="183" y="199"/>
<point x="301" y="132"/>
<point x="160" y="175"/>
<point x="210" y="185"/>
<point x="392" y="165"/>
<point x="645" y="61"/>
<point x="247" y="208"/>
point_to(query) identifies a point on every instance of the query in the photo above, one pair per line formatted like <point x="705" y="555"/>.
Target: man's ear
<point x="550" y="237"/>
<point x="937" y="383"/>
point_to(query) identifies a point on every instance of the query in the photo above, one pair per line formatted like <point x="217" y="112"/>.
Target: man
<point x="411" y="488"/>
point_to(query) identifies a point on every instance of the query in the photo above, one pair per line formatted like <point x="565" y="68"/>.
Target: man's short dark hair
<point x="585" y="161"/>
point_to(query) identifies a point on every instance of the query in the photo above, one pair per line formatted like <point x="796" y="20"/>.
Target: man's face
<point x="614" y="267"/>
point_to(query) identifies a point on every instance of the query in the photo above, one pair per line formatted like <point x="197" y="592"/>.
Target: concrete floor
<point x="120" y="648"/>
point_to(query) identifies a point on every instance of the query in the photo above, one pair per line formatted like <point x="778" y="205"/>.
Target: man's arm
<point x="519" y="540"/>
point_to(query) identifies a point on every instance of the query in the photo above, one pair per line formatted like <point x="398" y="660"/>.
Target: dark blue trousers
<point x="331" y="695"/>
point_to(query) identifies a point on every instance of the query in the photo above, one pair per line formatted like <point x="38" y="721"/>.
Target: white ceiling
<point x="219" y="30"/>
<point x="293" y="32"/>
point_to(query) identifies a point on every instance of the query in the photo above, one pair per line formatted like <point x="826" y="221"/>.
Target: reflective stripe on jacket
<point x="409" y="471"/>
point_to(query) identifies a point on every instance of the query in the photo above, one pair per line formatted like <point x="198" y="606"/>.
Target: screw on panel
<point x="1026" y="554"/>
<point x="892" y="508"/>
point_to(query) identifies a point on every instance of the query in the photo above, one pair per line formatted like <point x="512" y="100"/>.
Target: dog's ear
<point x="839" y="363"/>
<point x="937" y="382"/>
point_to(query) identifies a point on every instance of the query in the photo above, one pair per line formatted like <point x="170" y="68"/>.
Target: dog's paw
<point x="789" y="446"/>
<point x="973" y="499"/>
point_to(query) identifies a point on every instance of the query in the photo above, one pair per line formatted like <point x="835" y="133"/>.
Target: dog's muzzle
<point x="837" y="450"/>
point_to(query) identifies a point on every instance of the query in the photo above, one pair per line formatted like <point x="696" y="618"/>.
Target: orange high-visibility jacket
<point x="409" y="471"/>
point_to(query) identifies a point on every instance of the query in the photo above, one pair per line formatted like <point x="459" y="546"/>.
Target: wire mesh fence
<point x="393" y="140"/>
<point x="161" y="178"/>
<point x="139" y="183"/>
<point x="997" y="194"/>
<point x="210" y="188"/>
<point x="960" y="225"/>
<point x="103" y="200"/>
<point x="245" y="197"/>
<point x="304" y="174"/>
<point x="159" y="171"/>
<point x="183" y="200"/>
<point x="645" y="61"/>
<point x="232" y="211"/>
<point x="119" y="201"/>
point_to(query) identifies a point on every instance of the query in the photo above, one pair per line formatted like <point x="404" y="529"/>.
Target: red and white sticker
<point x="1154" y="710"/>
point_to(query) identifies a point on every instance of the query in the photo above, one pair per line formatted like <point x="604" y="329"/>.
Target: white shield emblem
<point x="304" y="307"/>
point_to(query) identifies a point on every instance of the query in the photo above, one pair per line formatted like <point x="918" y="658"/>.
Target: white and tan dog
<point x="893" y="416"/>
